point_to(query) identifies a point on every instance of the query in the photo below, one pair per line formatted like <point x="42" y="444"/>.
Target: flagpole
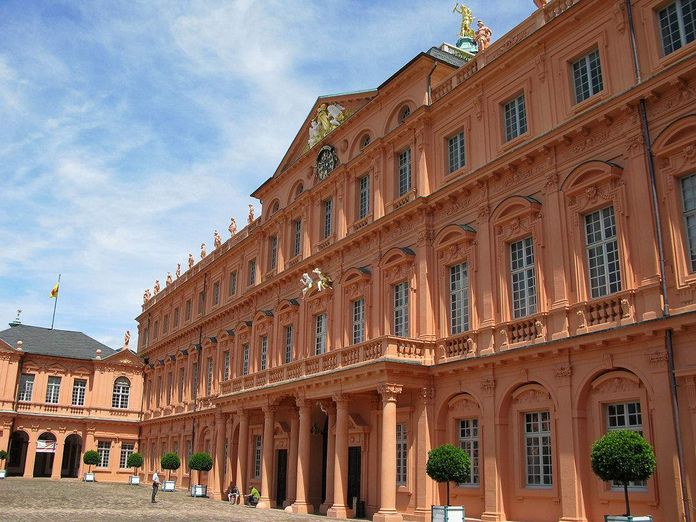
<point x="55" y="304"/>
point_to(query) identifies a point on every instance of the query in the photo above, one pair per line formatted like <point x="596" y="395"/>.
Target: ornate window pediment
<point x="398" y="264"/>
<point x="356" y="281"/>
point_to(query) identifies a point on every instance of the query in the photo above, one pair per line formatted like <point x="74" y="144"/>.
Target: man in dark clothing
<point x="155" y="485"/>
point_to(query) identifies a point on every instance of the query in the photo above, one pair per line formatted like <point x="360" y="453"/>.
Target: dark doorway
<point x="45" y="453"/>
<point x="282" y="477"/>
<point x="19" y="443"/>
<point x="71" y="457"/>
<point x="354" y="461"/>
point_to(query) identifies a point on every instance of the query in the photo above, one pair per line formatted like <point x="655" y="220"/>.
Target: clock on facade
<point x="327" y="160"/>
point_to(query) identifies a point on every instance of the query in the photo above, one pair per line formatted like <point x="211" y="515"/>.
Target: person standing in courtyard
<point x="155" y="485"/>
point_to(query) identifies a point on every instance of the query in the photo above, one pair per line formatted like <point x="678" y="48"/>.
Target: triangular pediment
<point x="126" y="357"/>
<point x="6" y="348"/>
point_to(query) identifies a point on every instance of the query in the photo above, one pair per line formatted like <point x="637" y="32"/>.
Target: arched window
<point x="364" y="141"/>
<point x="275" y="208"/>
<point x="404" y="113"/>
<point x="119" y="399"/>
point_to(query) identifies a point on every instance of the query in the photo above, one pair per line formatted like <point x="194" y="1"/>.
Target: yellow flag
<point x="54" y="291"/>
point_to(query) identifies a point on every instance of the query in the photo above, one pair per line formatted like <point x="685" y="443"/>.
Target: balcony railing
<point x="387" y="347"/>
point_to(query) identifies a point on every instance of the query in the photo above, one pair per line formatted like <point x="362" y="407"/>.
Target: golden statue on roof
<point x="467" y="18"/>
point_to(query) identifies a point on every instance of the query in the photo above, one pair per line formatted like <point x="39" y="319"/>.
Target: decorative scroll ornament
<point x="323" y="282"/>
<point x="327" y="119"/>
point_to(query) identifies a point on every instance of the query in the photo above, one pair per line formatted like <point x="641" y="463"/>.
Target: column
<point x="30" y="459"/>
<point x="424" y="485"/>
<point x="242" y="451"/>
<point x="303" y="446"/>
<point x="58" y="456"/>
<point x="267" y="457"/>
<point x="330" y="410"/>
<point x="229" y="426"/>
<point x="340" y="481"/>
<point x="387" y="504"/>
<point x="492" y="487"/>
<point x="219" y="463"/>
<point x="292" y="461"/>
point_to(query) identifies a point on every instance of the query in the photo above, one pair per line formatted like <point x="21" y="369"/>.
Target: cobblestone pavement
<point x="66" y="499"/>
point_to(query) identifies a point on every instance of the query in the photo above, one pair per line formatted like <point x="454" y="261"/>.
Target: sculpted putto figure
<point x="178" y="270"/>
<point x="233" y="227"/>
<point x="217" y="240"/>
<point x="203" y="254"/>
<point x="190" y="261"/>
<point x="157" y="286"/>
<point x="251" y="213"/>
<point x="323" y="281"/>
<point x="306" y="283"/>
<point x="483" y="36"/>
<point x="146" y="296"/>
<point x="168" y="281"/>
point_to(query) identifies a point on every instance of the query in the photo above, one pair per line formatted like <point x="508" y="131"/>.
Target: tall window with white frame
<point x="103" y="450"/>
<point x="78" y="392"/>
<point x="258" y="448"/>
<point x="170" y="387"/>
<point x="251" y="273"/>
<point x="209" y="378"/>
<point x="180" y="391"/>
<point x="459" y="298"/>
<point x="400" y="309"/>
<point x="327" y="218"/>
<point x="587" y="76"/>
<point x="127" y="449"/>
<point x="216" y="293"/>
<point x="626" y="416"/>
<point x="401" y="454"/>
<point x="296" y="237"/>
<point x="515" y="117"/>
<point x="245" y="359"/>
<point x="225" y="365"/>
<point x="273" y="252"/>
<point x="26" y="387"/>
<point x="363" y="196"/>
<point x="232" y="283"/>
<point x="158" y="397"/>
<point x="320" y="331"/>
<point x="677" y="25"/>
<point x="358" y="330"/>
<point x="523" y="278"/>
<point x="537" y="446"/>
<point x="602" y="252"/>
<point x="404" y="179"/>
<point x="288" y="341"/>
<point x="53" y="390"/>
<point x="121" y="393"/>
<point x="469" y="442"/>
<point x="455" y="152"/>
<point x="264" y="352"/>
<point x="688" y="187"/>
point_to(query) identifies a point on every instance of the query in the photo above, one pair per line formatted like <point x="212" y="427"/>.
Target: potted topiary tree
<point x="3" y="471"/>
<point x="91" y="458"/>
<point x="448" y="464"/>
<point x="169" y="461"/>
<point x="200" y="462"/>
<point x="135" y="460"/>
<point x="623" y="456"/>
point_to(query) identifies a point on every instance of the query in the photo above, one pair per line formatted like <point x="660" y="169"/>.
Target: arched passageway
<point x="45" y="453"/>
<point x="19" y="443"/>
<point x="70" y="466"/>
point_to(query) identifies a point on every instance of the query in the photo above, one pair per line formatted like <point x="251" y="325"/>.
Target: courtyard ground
<point x="66" y="499"/>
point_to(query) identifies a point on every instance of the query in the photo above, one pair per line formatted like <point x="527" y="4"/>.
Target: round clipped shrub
<point x="448" y="463"/>
<point x="170" y="461"/>
<point x="91" y="458"/>
<point x="135" y="460"/>
<point x="3" y="454"/>
<point x="623" y="456"/>
<point x="200" y="461"/>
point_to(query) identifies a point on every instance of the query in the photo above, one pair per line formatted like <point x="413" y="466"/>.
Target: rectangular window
<point x="626" y="416"/>
<point x="327" y="210"/>
<point x="602" y="252"/>
<point x="264" y="352"/>
<point x="523" y="278"/>
<point x="225" y="365"/>
<point x="78" y="392"/>
<point x="459" y="298"/>
<point x="180" y="391"/>
<point x="404" y="180"/>
<point x="296" y="237"/>
<point x="677" y="24"/>
<point x="159" y="391"/>
<point x="103" y="449"/>
<point x="232" y="283"/>
<point x="155" y="332"/>
<point x="209" y="378"/>
<point x="201" y="303"/>
<point x="587" y="76"/>
<point x="251" y="273"/>
<point x="170" y="387"/>
<point x="26" y="386"/>
<point x="515" y="118"/>
<point x="688" y="186"/>
<point x="245" y="359"/>
<point x="273" y="252"/>
<point x="176" y="317"/>
<point x="126" y="451"/>
<point x="187" y="311"/>
<point x="537" y="445"/>
<point x="288" y="343"/>
<point x="258" y="447"/>
<point x="165" y="324"/>
<point x="469" y="442"/>
<point x="358" y="331"/>
<point x="53" y="390"/>
<point x="363" y="196"/>
<point x="216" y="293"/>
<point x="401" y="454"/>
<point x="400" y="309"/>
<point x="455" y="152"/>
<point x="194" y="381"/>
<point x="320" y="334"/>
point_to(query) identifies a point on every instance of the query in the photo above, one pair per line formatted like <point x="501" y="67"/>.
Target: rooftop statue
<point x="157" y="286"/>
<point x="233" y="227"/>
<point x="146" y="296"/>
<point x="327" y="119"/>
<point x="203" y="253"/>
<point x="169" y="280"/>
<point x="126" y="338"/>
<point x="190" y="261"/>
<point x="251" y="213"/>
<point x="483" y="36"/>
<point x="217" y="240"/>
<point x="541" y="3"/>
<point x="465" y="30"/>
<point x="178" y="270"/>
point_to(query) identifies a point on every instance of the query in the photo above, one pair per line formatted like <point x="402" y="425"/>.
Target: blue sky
<point x="130" y="130"/>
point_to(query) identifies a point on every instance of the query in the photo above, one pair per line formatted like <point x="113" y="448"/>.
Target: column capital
<point x="389" y="392"/>
<point x="269" y="408"/>
<point x="340" y="399"/>
<point x="243" y="414"/>
<point x="302" y="402"/>
<point x="427" y="394"/>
